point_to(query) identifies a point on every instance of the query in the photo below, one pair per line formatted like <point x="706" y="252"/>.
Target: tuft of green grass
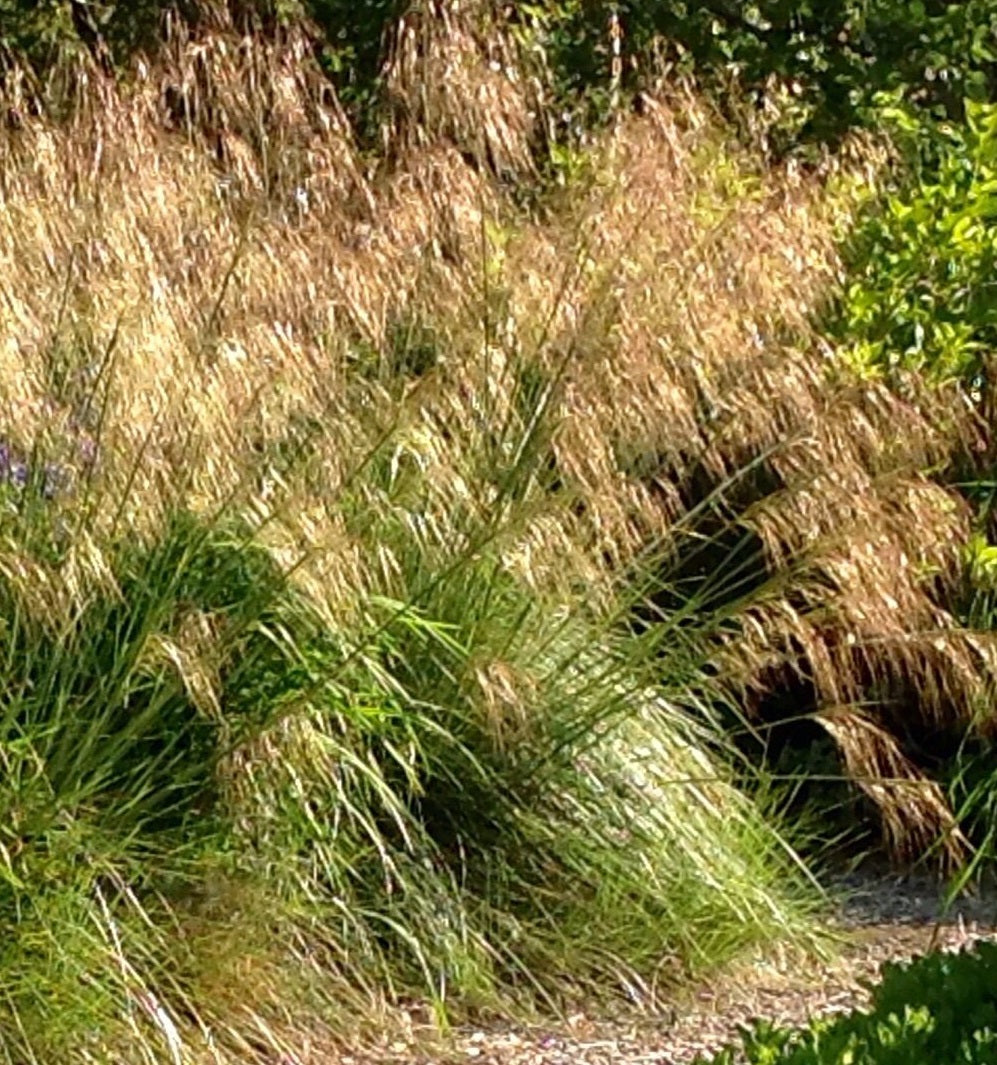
<point x="368" y="648"/>
<point x="473" y="792"/>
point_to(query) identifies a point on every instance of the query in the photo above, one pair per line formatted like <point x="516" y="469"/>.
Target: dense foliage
<point x="823" y="65"/>
<point x="920" y="294"/>
<point x="827" y="62"/>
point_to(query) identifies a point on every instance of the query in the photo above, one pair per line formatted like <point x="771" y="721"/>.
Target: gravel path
<point x="887" y="919"/>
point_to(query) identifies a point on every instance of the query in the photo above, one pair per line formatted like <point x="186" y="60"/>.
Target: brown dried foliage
<point x="213" y="243"/>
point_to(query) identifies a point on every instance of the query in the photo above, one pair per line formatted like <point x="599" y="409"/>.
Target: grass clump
<point x="385" y="569"/>
<point x="468" y="795"/>
<point x="318" y="571"/>
<point x="915" y="312"/>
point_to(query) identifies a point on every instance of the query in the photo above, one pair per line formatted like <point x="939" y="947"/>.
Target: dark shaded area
<point x="718" y="560"/>
<point x="717" y="565"/>
<point x="832" y="58"/>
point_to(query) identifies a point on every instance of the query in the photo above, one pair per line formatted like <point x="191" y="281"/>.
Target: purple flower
<point x="54" y="480"/>
<point x="17" y="474"/>
<point x="51" y="478"/>
<point x="87" y="447"/>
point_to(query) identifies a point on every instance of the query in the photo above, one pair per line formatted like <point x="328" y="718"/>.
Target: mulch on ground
<point x="886" y="918"/>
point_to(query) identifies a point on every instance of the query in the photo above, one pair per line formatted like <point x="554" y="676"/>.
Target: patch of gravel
<point x="885" y="919"/>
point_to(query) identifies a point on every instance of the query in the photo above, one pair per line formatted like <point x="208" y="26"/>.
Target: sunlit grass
<point x="378" y="564"/>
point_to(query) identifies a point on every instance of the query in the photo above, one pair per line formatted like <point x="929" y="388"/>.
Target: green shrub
<point x="355" y="38"/>
<point x="824" y="64"/>
<point x="940" y="1008"/>
<point x="42" y="30"/>
<point x="920" y="293"/>
<point x="832" y="59"/>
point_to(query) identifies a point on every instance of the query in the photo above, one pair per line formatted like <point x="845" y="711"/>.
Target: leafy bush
<point x="940" y="1008"/>
<point x="827" y="61"/>
<point x="921" y="292"/>
<point x="355" y="37"/>
<point x="41" y="30"/>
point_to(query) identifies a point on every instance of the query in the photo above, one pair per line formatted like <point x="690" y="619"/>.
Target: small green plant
<point x="940" y="1008"/>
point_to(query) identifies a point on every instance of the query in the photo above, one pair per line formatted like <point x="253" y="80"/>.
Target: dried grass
<point x="211" y="257"/>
